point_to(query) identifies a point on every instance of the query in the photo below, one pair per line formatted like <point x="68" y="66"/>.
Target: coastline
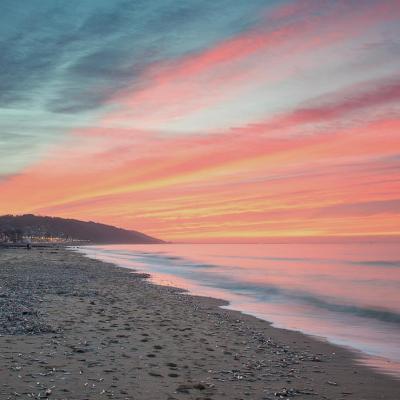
<point x="94" y="330"/>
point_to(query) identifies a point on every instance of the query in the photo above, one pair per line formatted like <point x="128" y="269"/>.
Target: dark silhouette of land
<point x="38" y="228"/>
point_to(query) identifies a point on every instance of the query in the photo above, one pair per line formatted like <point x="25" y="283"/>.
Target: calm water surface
<point x="348" y="294"/>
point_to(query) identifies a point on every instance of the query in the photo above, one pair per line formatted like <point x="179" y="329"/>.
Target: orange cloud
<point x="329" y="167"/>
<point x="251" y="187"/>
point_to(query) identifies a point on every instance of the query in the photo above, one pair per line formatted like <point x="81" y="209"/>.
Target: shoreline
<point x="380" y="363"/>
<point x="104" y="325"/>
<point x="357" y="357"/>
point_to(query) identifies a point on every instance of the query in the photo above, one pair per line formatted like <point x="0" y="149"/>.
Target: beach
<point x="77" y="328"/>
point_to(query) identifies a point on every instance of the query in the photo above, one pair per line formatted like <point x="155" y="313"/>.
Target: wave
<point x="270" y="293"/>
<point x="221" y="277"/>
<point x="266" y="292"/>
<point x="366" y="263"/>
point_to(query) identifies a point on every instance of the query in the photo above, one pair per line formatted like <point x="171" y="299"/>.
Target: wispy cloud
<point x="207" y="120"/>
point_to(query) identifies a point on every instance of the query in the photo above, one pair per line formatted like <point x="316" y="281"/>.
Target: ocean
<point x="348" y="294"/>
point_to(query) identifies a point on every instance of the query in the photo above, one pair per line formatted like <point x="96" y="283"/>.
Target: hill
<point x="60" y="229"/>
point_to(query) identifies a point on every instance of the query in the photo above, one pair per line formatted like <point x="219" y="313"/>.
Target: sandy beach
<point x="76" y="328"/>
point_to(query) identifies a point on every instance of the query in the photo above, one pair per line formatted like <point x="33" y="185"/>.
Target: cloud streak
<point x="259" y="122"/>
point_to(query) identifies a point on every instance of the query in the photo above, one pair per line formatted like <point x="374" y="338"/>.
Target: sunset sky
<point x="203" y="120"/>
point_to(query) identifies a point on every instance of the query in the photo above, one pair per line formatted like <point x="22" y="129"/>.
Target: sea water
<point x="348" y="294"/>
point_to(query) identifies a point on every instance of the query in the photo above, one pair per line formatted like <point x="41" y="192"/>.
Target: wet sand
<point x="75" y="328"/>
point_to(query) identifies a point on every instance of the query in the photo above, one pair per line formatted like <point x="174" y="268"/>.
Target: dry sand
<point x="74" y="328"/>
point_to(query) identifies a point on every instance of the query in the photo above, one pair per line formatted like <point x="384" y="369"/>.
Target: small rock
<point x="332" y="383"/>
<point x="199" y="386"/>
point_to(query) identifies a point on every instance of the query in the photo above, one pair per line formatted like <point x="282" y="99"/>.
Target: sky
<point x="204" y="120"/>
